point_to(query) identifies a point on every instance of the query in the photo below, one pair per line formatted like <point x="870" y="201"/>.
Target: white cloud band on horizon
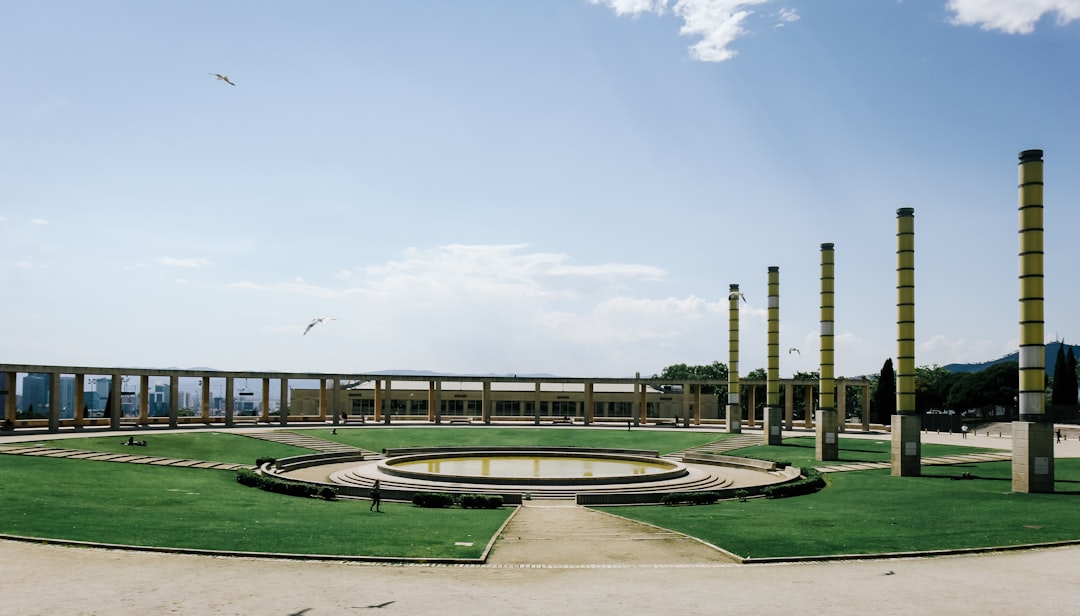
<point x="1011" y="16"/>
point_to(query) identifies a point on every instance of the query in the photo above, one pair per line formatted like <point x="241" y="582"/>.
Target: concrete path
<point x="558" y="533"/>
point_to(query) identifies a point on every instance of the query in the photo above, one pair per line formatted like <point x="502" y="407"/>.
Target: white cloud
<point x="186" y="262"/>
<point x="786" y="16"/>
<point x="717" y="22"/>
<point x="1011" y="16"/>
<point x="39" y="221"/>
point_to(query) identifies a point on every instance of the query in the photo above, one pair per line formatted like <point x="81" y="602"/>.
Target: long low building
<point x="148" y="396"/>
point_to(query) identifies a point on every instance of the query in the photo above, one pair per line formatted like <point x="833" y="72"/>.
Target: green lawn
<point x="377" y="438"/>
<point x="863" y="512"/>
<point x="868" y="512"/>
<point x="202" y="445"/>
<point x="136" y="504"/>
<point x="800" y="451"/>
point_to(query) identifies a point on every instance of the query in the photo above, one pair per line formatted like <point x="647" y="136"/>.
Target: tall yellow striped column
<point x="906" y="424"/>
<point x="827" y="445"/>
<point x="1033" y="445"/>
<point x="773" y="412"/>
<point x="734" y="403"/>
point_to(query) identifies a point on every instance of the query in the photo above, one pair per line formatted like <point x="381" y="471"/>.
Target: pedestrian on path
<point x="964" y="430"/>
<point x="376" y="498"/>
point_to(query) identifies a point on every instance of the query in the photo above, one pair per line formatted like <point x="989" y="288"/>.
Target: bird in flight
<point x="736" y="295"/>
<point x="793" y="350"/>
<point x="316" y="321"/>
<point x="224" y="78"/>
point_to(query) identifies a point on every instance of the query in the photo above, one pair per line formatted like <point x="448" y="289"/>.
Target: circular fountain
<point x="532" y="468"/>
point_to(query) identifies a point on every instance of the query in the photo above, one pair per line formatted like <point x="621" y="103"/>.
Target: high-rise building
<point x="35" y="387"/>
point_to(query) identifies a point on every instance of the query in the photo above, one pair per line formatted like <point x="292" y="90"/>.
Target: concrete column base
<point x="827" y="441"/>
<point x="906" y="445"/>
<point x="773" y="420"/>
<point x="734" y="419"/>
<point x="1033" y="457"/>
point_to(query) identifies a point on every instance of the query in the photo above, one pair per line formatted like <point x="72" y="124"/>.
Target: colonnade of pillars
<point x="332" y="399"/>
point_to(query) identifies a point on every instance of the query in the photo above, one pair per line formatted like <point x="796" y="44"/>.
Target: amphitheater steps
<point x="311" y="442"/>
<point x="719" y="447"/>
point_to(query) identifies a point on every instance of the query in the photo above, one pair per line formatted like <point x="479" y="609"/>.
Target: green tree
<point x="884" y="403"/>
<point x="932" y="385"/>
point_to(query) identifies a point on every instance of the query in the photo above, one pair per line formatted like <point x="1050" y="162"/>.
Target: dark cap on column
<point x="733" y="287"/>
<point x="827" y="246"/>
<point x="774" y="268"/>
<point x="905" y="211"/>
<point x="1031" y="156"/>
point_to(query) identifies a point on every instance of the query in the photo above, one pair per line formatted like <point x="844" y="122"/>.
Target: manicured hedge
<point x="270" y="483"/>
<point x="690" y="498"/>
<point x="810" y="482"/>
<point x="480" y="501"/>
<point x="432" y="500"/>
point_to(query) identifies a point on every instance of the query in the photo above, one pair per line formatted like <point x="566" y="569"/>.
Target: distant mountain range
<point x="1051" y="359"/>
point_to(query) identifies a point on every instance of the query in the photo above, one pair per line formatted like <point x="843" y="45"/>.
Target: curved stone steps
<point x="311" y="442"/>
<point x="698" y="480"/>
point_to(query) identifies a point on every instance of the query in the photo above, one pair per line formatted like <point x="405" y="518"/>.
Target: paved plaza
<point x="597" y="565"/>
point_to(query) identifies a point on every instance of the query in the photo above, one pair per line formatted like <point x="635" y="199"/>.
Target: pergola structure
<point x="641" y="400"/>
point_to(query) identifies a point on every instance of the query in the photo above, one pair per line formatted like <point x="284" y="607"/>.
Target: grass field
<point x="136" y="504"/>
<point x="209" y="446"/>
<point x="863" y="512"/>
<point x="799" y="451"/>
<point x="872" y="512"/>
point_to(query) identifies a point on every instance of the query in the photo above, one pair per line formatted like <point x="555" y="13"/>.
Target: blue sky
<point x="556" y="186"/>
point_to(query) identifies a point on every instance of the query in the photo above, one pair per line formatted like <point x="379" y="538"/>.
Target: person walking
<point x="376" y="498"/>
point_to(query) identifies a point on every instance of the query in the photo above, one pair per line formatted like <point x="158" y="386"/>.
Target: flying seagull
<point x="376" y="606"/>
<point x="316" y="321"/>
<point x="224" y="78"/>
<point x="737" y="294"/>
<point x="793" y="350"/>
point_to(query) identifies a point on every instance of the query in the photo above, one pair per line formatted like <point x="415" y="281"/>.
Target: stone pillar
<point x="11" y="409"/>
<point x="808" y="400"/>
<point x="589" y="406"/>
<point x="734" y="404"/>
<point x="864" y="391"/>
<point x="116" y="383"/>
<point x="826" y="443"/>
<point x="686" y="405"/>
<point x="644" y="403"/>
<point x="323" y="402"/>
<point x="434" y="412"/>
<point x="230" y="384"/>
<point x="54" y="402"/>
<point x="771" y="416"/>
<point x="80" y="401"/>
<point x="697" y="405"/>
<point x="174" y="401"/>
<point x="388" y="412"/>
<point x="485" y="402"/>
<point x="751" y="410"/>
<point x="841" y="409"/>
<point x="1033" y="434"/>
<point x="906" y="453"/>
<point x="144" y="399"/>
<point x="264" y="405"/>
<point x="789" y="405"/>
<point x="378" y="401"/>
<point x="283" y="401"/>
<point x="204" y="411"/>
<point x="536" y="404"/>
<point x="830" y="421"/>
<point x="335" y="400"/>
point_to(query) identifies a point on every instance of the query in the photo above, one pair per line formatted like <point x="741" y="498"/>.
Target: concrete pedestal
<point x="1033" y="457"/>
<point x="906" y="445"/>
<point x="773" y="419"/>
<point x="734" y="419"/>
<point x="827" y="441"/>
